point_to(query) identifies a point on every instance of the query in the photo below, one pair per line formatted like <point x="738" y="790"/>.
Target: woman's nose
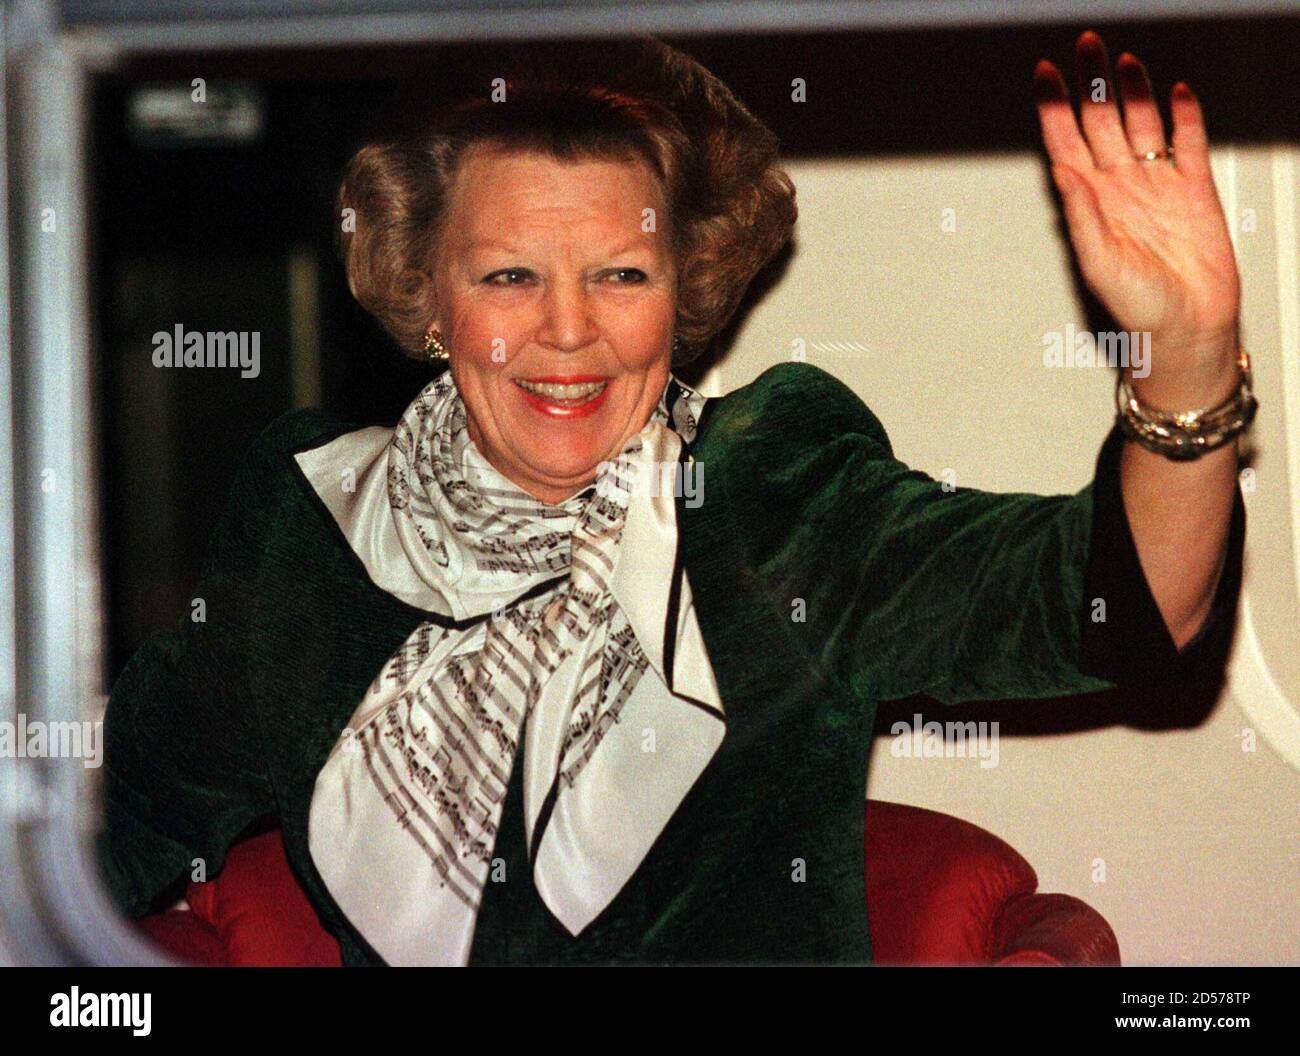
<point x="567" y="316"/>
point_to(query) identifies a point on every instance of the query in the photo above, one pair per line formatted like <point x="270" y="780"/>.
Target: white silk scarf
<point x="538" y="652"/>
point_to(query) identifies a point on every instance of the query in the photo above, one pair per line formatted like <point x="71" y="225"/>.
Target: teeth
<point x="581" y="391"/>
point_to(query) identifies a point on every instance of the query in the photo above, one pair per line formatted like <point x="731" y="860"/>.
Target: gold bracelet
<point x="1185" y="435"/>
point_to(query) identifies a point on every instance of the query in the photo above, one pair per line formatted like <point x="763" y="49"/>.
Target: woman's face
<point x="547" y="278"/>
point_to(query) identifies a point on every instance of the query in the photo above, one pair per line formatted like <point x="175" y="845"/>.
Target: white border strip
<point x="1274" y="708"/>
<point x="1288" y="318"/>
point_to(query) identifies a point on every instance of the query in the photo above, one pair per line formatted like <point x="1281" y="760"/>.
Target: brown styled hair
<point x="731" y="207"/>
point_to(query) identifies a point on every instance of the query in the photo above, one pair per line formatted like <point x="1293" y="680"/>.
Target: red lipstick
<point x="567" y="409"/>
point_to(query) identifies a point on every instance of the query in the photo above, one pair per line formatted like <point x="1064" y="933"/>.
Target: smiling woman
<point x="509" y="703"/>
<point x="588" y="223"/>
<point x="717" y="208"/>
<point x="560" y="369"/>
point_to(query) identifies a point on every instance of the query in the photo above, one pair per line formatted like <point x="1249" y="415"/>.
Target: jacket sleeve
<point x="899" y="585"/>
<point x="184" y="770"/>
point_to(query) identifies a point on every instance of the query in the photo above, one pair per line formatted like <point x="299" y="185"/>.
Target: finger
<point x="1083" y="217"/>
<point x="1142" y="124"/>
<point x="1098" y="112"/>
<point x="1191" y="145"/>
<point x="1061" y="135"/>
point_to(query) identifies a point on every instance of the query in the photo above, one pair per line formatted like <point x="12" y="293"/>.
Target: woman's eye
<point x="491" y="279"/>
<point x="637" y="275"/>
<point x="516" y="276"/>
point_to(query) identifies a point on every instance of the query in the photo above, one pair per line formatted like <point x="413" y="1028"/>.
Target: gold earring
<point x="433" y="346"/>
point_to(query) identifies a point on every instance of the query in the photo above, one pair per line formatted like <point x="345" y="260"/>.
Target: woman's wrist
<point x="1202" y="407"/>
<point x="1189" y="373"/>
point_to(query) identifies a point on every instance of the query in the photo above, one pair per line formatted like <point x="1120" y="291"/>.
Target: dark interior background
<point x="204" y="235"/>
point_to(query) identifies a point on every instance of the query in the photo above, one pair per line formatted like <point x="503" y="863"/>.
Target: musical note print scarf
<point x="405" y="812"/>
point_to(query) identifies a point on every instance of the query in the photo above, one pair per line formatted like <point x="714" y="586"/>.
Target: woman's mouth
<point x="564" y="397"/>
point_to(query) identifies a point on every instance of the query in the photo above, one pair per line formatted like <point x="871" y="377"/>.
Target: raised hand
<point x="1150" y="235"/>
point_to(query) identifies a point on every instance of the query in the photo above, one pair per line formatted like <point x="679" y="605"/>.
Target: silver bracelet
<point x="1185" y="435"/>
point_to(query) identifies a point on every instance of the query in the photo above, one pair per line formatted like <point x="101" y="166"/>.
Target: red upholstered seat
<point x="252" y="913"/>
<point x="943" y="891"/>
<point x="939" y="890"/>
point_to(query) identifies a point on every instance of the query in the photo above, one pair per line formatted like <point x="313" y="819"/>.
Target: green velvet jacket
<point x="828" y="577"/>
